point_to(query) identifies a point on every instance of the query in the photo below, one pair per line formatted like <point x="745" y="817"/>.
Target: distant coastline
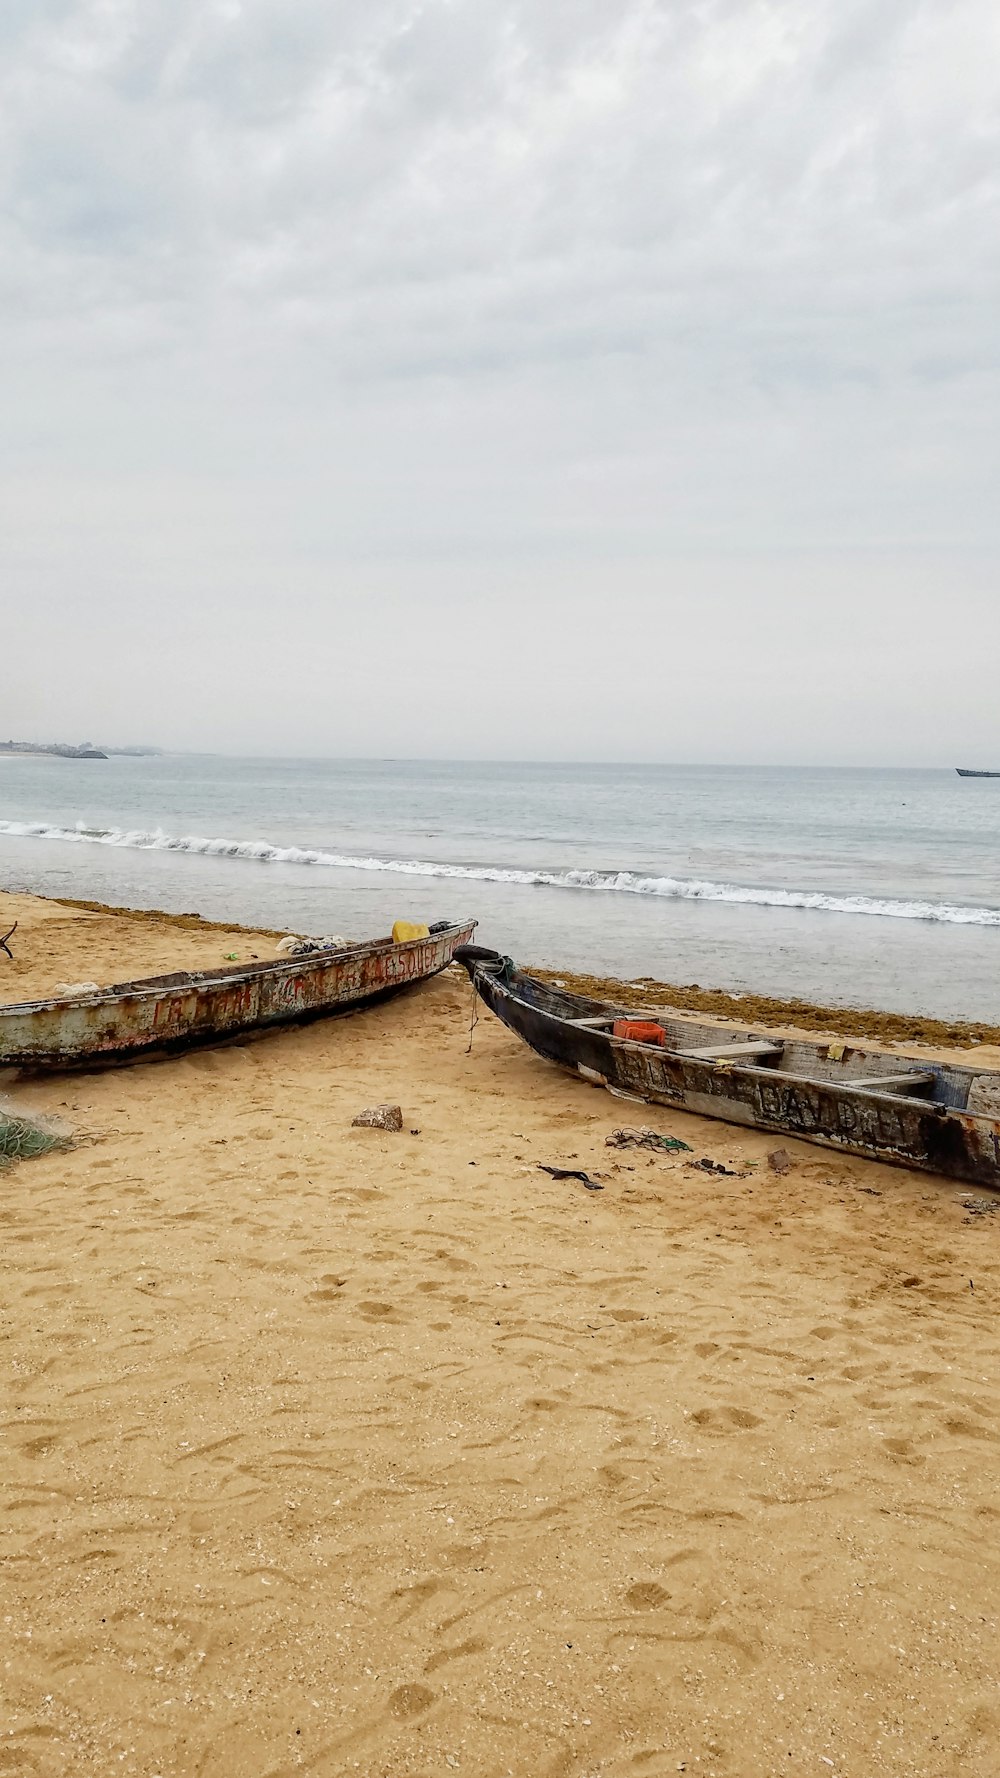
<point x="64" y="750"/>
<point x="57" y="751"/>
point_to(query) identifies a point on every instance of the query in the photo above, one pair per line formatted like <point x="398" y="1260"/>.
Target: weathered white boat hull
<point x="165" y="1014"/>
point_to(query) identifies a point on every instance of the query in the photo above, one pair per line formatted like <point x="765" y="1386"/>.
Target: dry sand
<point x="333" y="1451"/>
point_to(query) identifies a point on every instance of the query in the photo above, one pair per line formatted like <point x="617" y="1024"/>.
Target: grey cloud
<point x="514" y="281"/>
<point x="394" y="148"/>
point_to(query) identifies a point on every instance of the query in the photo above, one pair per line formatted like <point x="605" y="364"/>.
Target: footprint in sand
<point x="458" y="1652"/>
<point x="646" y="1595"/>
<point x="414" y="1597"/>
<point x="900" y="1450"/>
<point x="961" y="1427"/>
<point x="39" y="1447"/>
<point x="725" y="1419"/>
<point x="408" y="1701"/>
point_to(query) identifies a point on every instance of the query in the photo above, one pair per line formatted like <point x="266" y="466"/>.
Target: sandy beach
<point x="331" y="1450"/>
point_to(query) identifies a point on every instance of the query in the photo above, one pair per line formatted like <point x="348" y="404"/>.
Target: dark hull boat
<point x="908" y="1113"/>
<point x="164" y="1014"/>
<point x="964" y="772"/>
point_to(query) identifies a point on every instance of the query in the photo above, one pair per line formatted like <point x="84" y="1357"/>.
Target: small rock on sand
<point x="380" y="1117"/>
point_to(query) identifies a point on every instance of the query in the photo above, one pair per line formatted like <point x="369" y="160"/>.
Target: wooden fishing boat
<point x="163" y="1014"/>
<point x="932" y="1115"/>
<point x="964" y="772"/>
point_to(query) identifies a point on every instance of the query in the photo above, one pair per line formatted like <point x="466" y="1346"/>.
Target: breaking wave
<point x="616" y="882"/>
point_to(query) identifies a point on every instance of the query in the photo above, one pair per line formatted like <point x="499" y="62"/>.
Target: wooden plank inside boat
<point x="896" y="1083"/>
<point x="730" y="1052"/>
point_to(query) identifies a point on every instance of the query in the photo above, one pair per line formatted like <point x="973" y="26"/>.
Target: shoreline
<point x="876" y="1024"/>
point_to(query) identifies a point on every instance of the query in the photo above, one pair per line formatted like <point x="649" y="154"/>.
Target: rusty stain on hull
<point x="833" y="1101"/>
<point x="164" y="1014"/>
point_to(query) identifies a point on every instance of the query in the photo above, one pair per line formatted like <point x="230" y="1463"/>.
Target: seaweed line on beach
<point x="187" y="920"/>
<point x="762" y="1009"/>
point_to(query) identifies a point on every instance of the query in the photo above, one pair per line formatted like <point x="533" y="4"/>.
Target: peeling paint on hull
<point x="837" y="1113"/>
<point x="165" y="1014"/>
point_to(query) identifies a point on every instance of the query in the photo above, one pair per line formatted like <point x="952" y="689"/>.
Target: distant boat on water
<point x="963" y="772"/>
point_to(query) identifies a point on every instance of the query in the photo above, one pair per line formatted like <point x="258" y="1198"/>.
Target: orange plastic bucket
<point x="640" y="1031"/>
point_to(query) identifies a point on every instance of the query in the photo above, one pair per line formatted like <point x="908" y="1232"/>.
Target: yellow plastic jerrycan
<point x="405" y="930"/>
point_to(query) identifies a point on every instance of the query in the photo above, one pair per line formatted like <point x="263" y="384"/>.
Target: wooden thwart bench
<point x="731" y="1052"/>
<point x="762" y="1049"/>
<point x="894" y="1083"/>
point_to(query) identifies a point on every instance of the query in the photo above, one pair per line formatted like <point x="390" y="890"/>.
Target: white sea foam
<point x="617" y="882"/>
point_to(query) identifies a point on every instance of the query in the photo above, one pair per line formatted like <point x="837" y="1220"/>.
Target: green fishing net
<point x="21" y="1138"/>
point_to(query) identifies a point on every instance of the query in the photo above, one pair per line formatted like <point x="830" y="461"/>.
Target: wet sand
<point x="336" y="1451"/>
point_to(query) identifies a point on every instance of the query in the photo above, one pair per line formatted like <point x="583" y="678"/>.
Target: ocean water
<point x="874" y="888"/>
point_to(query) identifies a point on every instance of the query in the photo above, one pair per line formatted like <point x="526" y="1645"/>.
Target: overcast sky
<point x="502" y="377"/>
